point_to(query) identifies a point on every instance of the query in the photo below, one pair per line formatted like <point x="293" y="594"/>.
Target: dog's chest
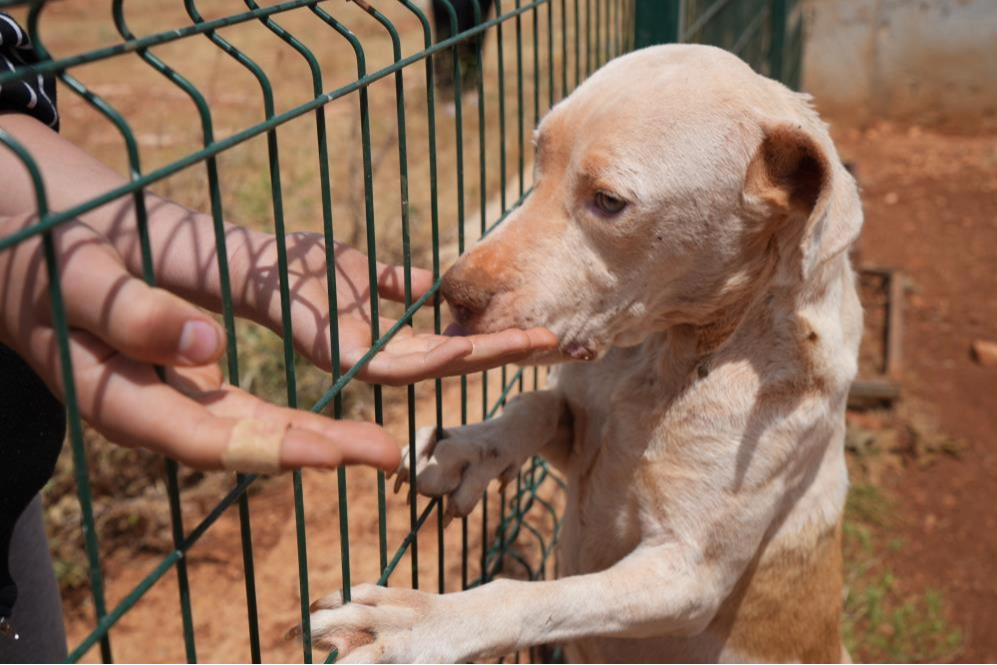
<point x="620" y="407"/>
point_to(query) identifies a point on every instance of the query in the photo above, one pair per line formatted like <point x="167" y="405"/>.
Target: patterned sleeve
<point x="34" y="95"/>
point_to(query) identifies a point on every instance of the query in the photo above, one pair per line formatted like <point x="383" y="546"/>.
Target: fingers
<point x="124" y="399"/>
<point x="507" y="346"/>
<point x="409" y="358"/>
<point x="389" y="367"/>
<point x="156" y="326"/>
<point x="146" y="323"/>
<point x="317" y="441"/>
<point x="391" y="282"/>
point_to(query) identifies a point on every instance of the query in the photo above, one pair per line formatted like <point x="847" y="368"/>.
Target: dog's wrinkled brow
<point x="608" y="172"/>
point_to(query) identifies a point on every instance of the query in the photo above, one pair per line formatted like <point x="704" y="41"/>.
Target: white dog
<point x="687" y="242"/>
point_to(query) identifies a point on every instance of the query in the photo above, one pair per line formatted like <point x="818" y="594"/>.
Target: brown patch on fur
<point x="470" y="284"/>
<point x="809" y="377"/>
<point x="787" y="607"/>
<point x="710" y="336"/>
<point x="790" y="392"/>
<point x="807" y="341"/>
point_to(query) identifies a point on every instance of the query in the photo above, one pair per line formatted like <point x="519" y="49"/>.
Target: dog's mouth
<point x="571" y="347"/>
<point x="579" y="351"/>
<point x="455" y="329"/>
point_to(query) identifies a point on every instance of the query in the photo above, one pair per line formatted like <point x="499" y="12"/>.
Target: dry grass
<point x="886" y="618"/>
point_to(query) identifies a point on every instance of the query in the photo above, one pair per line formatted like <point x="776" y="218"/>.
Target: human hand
<point x="120" y="328"/>
<point x="408" y="356"/>
<point x="184" y="245"/>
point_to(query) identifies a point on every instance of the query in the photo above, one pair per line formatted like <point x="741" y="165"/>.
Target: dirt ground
<point x="931" y="211"/>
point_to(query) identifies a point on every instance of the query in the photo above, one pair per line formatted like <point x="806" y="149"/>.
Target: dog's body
<point x="687" y="237"/>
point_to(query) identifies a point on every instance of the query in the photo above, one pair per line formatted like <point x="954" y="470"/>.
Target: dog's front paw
<point x="380" y="625"/>
<point x="457" y="465"/>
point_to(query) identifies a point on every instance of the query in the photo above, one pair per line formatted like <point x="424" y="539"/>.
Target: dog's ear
<point x="795" y="193"/>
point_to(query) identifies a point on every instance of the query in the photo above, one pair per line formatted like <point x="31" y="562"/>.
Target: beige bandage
<point x="254" y="446"/>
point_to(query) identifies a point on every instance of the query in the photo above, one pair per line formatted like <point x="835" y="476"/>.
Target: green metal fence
<point x="768" y="34"/>
<point x="455" y="155"/>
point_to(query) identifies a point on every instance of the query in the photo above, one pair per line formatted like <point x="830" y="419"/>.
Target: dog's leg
<point x="653" y="591"/>
<point x="462" y="462"/>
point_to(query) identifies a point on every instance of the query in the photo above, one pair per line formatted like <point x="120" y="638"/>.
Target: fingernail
<point x="198" y="342"/>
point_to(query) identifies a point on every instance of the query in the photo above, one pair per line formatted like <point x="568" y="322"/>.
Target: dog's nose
<point x="468" y="296"/>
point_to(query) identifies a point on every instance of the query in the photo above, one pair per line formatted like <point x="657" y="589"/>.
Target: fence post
<point x="777" y="38"/>
<point x="657" y="22"/>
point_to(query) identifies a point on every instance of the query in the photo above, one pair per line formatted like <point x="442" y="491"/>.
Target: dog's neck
<point x="767" y="314"/>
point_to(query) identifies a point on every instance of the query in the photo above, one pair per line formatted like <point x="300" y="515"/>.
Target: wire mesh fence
<point x="366" y="123"/>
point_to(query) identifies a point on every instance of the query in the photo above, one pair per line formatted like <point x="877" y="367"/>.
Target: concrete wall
<point x="932" y="62"/>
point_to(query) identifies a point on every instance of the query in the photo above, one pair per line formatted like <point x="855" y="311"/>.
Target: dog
<point x="687" y="240"/>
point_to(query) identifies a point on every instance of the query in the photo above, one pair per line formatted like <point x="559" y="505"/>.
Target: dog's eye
<point x="608" y="203"/>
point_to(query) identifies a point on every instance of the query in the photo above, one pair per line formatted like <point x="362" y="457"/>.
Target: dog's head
<point x="672" y="184"/>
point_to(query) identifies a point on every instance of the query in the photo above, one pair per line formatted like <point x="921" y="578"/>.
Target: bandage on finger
<point x="254" y="446"/>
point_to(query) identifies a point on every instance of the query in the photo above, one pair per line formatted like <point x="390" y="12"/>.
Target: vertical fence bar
<point x="80" y="465"/>
<point x="564" y="48"/>
<point x="793" y="46"/>
<point x="657" y="22"/>
<point x="613" y="10"/>
<point x="435" y="231"/>
<point x="500" y="42"/>
<point x="61" y="328"/>
<point x="519" y="98"/>
<point x="461" y="239"/>
<point x="407" y="259"/>
<point x="483" y="215"/>
<point x="777" y="38"/>
<point x="598" y="57"/>
<point x="578" y="38"/>
<point x="76" y="434"/>
<point x="501" y="99"/>
<point x="550" y="55"/>
<point x="608" y="19"/>
<point x="588" y="38"/>
<point x="344" y="526"/>
<point x="536" y="66"/>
